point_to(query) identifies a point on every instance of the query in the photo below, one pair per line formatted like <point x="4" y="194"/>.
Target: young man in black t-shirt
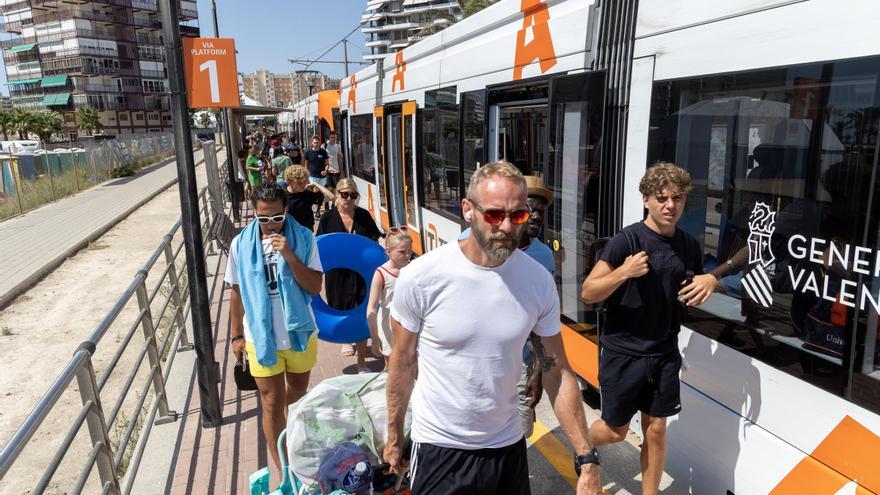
<point x="639" y="359"/>
<point x="301" y="195"/>
<point x="318" y="161"/>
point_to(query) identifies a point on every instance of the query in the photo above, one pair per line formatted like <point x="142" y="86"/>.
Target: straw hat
<point x="535" y="187"/>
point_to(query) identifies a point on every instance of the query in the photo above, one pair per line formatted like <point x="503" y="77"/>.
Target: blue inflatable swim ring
<point x="354" y="252"/>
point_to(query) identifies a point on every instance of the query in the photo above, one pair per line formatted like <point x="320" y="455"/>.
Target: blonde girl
<point x="398" y="245"/>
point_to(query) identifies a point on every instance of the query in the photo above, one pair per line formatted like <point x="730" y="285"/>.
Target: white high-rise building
<point x="104" y="54"/>
<point x="391" y="25"/>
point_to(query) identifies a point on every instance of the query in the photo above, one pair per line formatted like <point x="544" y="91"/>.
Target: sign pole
<point x="207" y="369"/>
<point x="231" y="151"/>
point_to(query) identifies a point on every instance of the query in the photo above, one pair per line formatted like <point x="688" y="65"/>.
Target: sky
<point x="269" y="32"/>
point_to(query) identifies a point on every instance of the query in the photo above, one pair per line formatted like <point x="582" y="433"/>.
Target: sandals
<point x="348" y="350"/>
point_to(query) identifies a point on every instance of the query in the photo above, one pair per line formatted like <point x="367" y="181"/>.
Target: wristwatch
<point x="591" y="458"/>
<point x="731" y="268"/>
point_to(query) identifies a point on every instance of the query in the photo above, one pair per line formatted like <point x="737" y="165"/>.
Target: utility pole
<point x="345" y="55"/>
<point x="231" y="151"/>
<point x="207" y="370"/>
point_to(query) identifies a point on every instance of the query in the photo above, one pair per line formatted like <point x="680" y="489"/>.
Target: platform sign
<point x="211" y="73"/>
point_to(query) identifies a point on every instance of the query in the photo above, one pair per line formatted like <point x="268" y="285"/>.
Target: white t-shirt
<point x="333" y="151"/>
<point x="270" y="265"/>
<point x="473" y="322"/>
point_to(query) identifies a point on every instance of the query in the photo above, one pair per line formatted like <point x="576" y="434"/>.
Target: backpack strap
<point x="632" y="240"/>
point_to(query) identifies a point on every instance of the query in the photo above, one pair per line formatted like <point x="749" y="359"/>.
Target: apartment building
<point x="104" y="54"/>
<point x="393" y="25"/>
<point x="281" y="90"/>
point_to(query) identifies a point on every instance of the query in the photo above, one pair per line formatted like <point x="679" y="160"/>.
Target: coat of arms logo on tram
<point x="756" y="281"/>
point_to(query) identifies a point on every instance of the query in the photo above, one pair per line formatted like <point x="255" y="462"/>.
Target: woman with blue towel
<point x="274" y="270"/>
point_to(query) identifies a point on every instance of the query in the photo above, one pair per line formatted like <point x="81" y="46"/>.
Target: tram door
<point x="344" y="137"/>
<point x="519" y="135"/>
<point x="400" y="165"/>
<point x="572" y="172"/>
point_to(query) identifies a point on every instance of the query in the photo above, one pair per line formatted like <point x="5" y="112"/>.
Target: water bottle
<point x="359" y="480"/>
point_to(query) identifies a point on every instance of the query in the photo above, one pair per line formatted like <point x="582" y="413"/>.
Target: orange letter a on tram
<point x="536" y="16"/>
<point x="401" y="68"/>
<point x="352" y="93"/>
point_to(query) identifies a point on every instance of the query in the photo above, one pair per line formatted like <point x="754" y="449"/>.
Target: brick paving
<point x="220" y="460"/>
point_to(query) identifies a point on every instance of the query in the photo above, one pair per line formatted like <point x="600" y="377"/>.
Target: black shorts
<point x="332" y="179"/>
<point x="629" y="384"/>
<point x="444" y="471"/>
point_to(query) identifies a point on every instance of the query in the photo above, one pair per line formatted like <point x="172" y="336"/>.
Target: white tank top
<point x="383" y="316"/>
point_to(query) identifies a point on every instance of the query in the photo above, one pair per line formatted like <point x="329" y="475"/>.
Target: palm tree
<point x="46" y="123"/>
<point x="22" y="122"/>
<point x="5" y="123"/>
<point x="88" y="120"/>
<point x="471" y="7"/>
<point x="205" y="119"/>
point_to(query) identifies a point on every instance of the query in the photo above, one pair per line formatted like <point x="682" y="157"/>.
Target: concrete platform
<point x="184" y="458"/>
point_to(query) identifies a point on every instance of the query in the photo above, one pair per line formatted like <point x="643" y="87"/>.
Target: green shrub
<point x="122" y="171"/>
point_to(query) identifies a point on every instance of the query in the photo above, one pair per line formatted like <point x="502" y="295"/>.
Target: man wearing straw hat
<point x="530" y="387"/>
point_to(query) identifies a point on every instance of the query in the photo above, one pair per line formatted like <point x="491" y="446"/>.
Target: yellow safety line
<point x="555" y="452"/>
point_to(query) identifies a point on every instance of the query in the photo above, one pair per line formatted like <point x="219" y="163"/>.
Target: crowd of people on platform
<point x="477" y="321"/>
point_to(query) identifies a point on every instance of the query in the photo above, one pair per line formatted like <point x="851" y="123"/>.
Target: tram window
<point x="473" y="133"/>
<point x="362" y="163"/>
<point x="522" y="137"/>
<point x="785" y="189"/>
<point x="439" y="159"/>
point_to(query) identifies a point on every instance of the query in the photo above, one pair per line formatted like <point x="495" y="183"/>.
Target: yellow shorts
<point x="288" y="360"/>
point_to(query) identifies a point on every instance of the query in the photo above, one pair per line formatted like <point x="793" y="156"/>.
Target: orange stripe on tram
<point x="581" y="352"/>
<point x="849" y="452"/>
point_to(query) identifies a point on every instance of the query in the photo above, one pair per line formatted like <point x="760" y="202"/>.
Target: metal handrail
<point x="102" y="453"/>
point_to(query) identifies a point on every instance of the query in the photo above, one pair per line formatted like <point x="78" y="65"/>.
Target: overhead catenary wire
<point x="333" y="46"/>
<point x="318" y="58"/>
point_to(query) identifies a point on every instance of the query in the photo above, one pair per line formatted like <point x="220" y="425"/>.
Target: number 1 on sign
<point x="214" y="81"/>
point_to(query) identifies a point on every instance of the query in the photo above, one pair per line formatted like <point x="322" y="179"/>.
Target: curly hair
<point x="296" y="173"/>
<point x="665" y="175"/>
<point x="500" y="168"/>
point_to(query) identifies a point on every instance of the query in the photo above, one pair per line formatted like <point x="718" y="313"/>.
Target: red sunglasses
<point x="496" y="216"/>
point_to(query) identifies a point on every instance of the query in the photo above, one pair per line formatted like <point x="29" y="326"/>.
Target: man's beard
<point x="497" y="246"/>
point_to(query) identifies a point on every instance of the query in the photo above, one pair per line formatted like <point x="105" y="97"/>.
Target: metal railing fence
<point x="159" y="314"/>
<point x="31" y="179"/>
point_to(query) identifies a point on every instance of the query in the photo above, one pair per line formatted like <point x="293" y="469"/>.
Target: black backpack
<point x="594" y="252"/>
